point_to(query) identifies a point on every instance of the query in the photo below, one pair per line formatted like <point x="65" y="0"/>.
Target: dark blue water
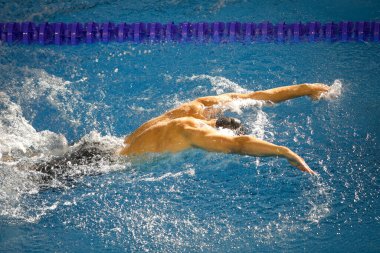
<point x="196" y="201"/>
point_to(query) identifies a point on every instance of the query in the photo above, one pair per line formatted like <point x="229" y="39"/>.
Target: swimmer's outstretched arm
<point x="245" y="145"/>
<point x="275" y="95"/>
<point x="280" y="94"/>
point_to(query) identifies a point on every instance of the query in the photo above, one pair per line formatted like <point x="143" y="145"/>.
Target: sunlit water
<point x="52" y="99"/>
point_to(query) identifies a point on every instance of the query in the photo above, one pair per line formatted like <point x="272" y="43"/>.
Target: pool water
<point x="192" y="201"/>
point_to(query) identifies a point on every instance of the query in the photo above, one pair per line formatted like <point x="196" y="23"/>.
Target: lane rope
<point x="201" y="32"/>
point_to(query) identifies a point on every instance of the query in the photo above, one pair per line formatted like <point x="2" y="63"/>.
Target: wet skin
<point x="192" y="125"/>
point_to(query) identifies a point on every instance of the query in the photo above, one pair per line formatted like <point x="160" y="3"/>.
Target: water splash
<point x="257" y="120"/>
<point x="19" y="182"/>
<point x="39" y="87"/>
<point x="23" y="148"/>
<point x="150" y="220"/>
<point x="238" y="104"/>
<point x="334" y="92"/>
<point x="260" y="126"/>
<point x="219" y="84"/>
<point x="19" y="138"/>
<point x="54" y="91"/>
<point x="189" y="172"/>
<point x="226" y="131"/>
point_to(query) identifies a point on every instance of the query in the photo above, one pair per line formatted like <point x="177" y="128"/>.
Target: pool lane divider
<point x="202" y="32"/>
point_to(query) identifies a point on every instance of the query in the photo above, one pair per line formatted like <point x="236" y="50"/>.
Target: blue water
<point x="194" y="201"/>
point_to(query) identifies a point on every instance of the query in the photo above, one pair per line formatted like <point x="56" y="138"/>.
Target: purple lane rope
<point x="201" y="32"/>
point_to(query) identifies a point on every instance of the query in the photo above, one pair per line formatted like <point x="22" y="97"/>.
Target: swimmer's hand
<point x="303" y="166"/>
<point x="296" y="161"/>
<point x="317" y="90"/>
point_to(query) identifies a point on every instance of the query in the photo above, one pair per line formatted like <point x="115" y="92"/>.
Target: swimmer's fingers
<point x="301" y="165"/>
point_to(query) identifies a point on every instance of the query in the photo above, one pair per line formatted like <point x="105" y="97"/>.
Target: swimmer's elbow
<point x="241" y="145"/>
<point x="229" y="145"/>
<point x="213" y="143"/>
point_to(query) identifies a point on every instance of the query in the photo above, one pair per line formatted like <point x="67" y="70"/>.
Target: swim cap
<point x="231" y="123"/>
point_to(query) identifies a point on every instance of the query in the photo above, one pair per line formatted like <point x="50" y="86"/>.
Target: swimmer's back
<point x="165" y="136"/>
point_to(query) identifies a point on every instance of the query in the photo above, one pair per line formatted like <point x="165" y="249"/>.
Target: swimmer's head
<point x="231" y="123"/>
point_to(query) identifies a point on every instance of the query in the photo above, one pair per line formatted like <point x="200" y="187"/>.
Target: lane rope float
<point x="201" y="32"/>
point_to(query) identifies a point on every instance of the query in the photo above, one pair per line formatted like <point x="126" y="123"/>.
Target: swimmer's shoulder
<point x="190" y="122"/>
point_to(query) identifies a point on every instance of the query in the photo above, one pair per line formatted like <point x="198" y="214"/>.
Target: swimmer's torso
<point x="165" y="133"/>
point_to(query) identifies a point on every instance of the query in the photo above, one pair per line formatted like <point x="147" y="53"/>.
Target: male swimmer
<point x="195" y="124"/>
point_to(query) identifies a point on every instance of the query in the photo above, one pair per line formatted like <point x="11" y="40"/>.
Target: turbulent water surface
<point x="56" y="100"/>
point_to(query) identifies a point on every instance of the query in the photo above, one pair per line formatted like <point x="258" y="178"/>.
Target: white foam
<point x="39" y="83"/>
<point x="259" y="125"/>
<point x="319" y="199"/>
<point x="41" y="87"/>
<point x="334" y="92"/>
<point x="14" y="185"/>
<point x="19" y="138"/>
<point x="189" y="172"/>
<point x="22" y="146"/>
<point x="238" y="104"/>
<point x="226" y="131"/>
<point x="219" y="84"/>
<point x="17" y="181"/>
<point x="139" y="109"/>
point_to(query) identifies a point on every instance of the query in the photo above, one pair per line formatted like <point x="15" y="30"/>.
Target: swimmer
<point x="194" y="125"/>
<point x="191" y="125"/>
